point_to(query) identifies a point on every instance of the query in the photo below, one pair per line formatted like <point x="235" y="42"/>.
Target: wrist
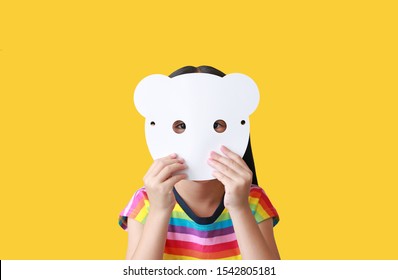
<point x="161" y="213"/>
<point x="239" y="210"/>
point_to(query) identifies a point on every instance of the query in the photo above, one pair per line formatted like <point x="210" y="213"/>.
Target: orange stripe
<point x="202" y="255"/>
<point x="255" y="194"/>
<point x="137" y="209"/>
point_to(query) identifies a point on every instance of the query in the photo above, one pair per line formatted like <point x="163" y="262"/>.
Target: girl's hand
<point x="236" y="177"/>
<point x="159" y="182"/>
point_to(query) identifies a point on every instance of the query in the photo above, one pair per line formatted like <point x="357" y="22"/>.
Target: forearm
<point x="251" y="243"/>
<point x="153" y="238"/>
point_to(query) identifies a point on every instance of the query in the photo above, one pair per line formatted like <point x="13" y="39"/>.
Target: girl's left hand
<point x="235" y="175"/>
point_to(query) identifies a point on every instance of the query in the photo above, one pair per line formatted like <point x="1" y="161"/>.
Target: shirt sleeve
<point x="261" y="206"/>
<point x="137" y="208"/>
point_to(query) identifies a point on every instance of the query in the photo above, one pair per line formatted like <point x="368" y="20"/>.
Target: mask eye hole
<point x="179" y="127"/>
<point x="242" y="122"/>
<point x="220" y="126"/>
<point x="152" y="123"/>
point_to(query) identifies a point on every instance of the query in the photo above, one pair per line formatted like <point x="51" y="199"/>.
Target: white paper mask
<point x="197" y="99"/>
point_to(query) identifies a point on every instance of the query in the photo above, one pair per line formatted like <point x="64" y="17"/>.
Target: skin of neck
<point x="207" y="192"/>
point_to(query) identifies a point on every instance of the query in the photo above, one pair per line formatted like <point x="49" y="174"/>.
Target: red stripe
<point x="203" y="248"/>
<point x="264" y="201"/>
<point x="267" y="206"/>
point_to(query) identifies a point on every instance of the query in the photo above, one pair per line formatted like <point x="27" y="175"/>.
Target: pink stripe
<point x="133" y="202"/>
<point x="202" y="241"/>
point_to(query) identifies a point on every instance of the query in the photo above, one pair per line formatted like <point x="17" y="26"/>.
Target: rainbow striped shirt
<point x="192" y="237"/>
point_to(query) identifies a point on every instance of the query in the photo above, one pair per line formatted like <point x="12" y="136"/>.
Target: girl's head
<point x="178" y="127"/>
<point x="194" y="111"/>
<point x="199" y="69"/>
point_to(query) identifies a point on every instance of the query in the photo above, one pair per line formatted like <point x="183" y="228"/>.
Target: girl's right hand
<point x="159" y="182"/>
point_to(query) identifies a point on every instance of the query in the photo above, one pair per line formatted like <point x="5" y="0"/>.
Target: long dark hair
<point x="248" y="156"/>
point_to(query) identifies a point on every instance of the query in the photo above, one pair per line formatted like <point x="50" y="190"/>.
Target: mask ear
<point x="149" y="90"/>
<point x="244" y="89"/>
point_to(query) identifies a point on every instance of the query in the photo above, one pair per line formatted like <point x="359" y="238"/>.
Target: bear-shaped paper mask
<point x="198" y="100"/>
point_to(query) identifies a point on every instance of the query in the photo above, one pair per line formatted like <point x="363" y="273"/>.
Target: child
<point x="229" y="217"/>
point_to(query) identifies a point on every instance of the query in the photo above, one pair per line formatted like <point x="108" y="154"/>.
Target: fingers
<point x="235" y="157"/>
<point x="224" y="179"/>
<point x="224" y="166"/>
<point x="160" y="163"/>
<point x="232" y="163"/>
<point x="155" y="163"/>
<point x="168" y="171"/>
<point x="162" y="170"/>
<point x="175" y="179"/>
<point x="233" y="166"/>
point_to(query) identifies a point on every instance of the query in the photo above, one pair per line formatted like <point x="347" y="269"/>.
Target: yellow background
<point x="324" y="135"/>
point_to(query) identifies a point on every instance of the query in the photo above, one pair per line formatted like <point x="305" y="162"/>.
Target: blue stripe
<point x="191" y="224"/>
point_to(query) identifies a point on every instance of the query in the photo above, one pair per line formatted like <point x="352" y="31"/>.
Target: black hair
<point x="248" y="156"/>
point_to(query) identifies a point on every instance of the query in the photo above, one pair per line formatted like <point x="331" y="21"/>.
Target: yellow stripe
<point x="174" y="257"/>
<point x="142" y="214"/>
<point x="177" y="208"/>
<point x="262" y="212"/>
<point x="238" y="257"/>
<point x="182" y="215"/>
<point x="177" y="257"/>
<point x="253" y="202"/>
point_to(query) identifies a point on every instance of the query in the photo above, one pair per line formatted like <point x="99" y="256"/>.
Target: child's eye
<point x="179" y="127"/>
<point x="220" y="126"/>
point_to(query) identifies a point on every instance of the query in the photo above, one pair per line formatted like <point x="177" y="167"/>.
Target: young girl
<point x="229" y="217"/>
